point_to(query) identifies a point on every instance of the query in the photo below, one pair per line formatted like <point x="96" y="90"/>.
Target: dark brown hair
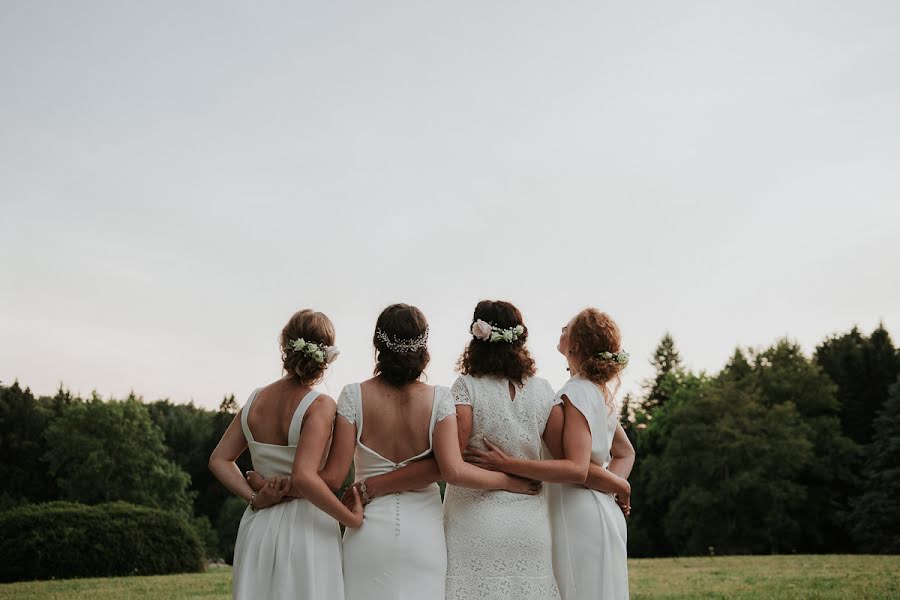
<point x="591" y="333"/>
<point x="509" y="360"/>
<point x="400" y="323"/>
<point x="313" y="327"/>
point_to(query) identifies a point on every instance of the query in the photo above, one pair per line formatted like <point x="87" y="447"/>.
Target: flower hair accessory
<point x="395" y="344"/>
<point x="620" y="357"/>
<point x="486" y="332"/>
<point x="318" y="352"/>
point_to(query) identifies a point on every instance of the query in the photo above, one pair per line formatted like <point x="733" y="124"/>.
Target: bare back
<point x="269" y="419"/>
<point x="396" y="421"/>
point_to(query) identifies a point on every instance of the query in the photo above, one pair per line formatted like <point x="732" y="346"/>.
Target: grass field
<point x="740" y="577"/>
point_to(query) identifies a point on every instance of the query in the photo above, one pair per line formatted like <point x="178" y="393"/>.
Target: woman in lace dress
<point x="289" y="549"/>
<point x="499" y="544"/>
<point x="587" y="515"/>
<point x="390" y="427"/>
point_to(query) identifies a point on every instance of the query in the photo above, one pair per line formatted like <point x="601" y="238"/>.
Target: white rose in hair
<point x="331" y="354"/>
<point x="508" y="335"/>
<point x="519" y="330"/>
<point x="496" y="336"/>
<point x="481" y="330"/>
<point x="318" y="356"/>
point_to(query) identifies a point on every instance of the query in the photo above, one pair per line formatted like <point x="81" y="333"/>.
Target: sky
<point x="177" y="178"/>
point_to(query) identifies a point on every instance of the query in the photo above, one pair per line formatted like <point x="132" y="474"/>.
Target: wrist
<point x="366" y="492"/>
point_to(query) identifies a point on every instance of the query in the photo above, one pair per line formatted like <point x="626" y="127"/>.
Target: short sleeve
<point x="460" y="392"/>
<point x="346" y="404"/>
<point x="446" y="406"/>
<point x="577" y="397"/>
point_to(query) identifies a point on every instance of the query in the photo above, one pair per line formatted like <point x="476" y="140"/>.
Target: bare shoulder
<point x="323" y="405"/>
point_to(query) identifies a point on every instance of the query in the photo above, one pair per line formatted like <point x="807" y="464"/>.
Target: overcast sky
<point x="177" y="178"/>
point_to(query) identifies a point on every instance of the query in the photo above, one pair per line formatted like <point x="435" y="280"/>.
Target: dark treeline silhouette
<point x="779" y="452"/>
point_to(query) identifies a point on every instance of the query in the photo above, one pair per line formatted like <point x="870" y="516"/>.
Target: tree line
<point x="778" y="452"/>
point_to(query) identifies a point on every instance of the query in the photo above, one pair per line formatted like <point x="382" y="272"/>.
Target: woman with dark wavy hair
<point x="400" y="433"/>
<point x="498" y="544"/>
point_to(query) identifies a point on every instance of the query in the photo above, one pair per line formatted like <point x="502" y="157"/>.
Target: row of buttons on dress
<point x="397" y="509"/>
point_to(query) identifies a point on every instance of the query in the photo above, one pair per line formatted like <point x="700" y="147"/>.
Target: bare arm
<point x="224" y="468"/>
<point x="622" y="454"/>
<point x="222" y="460"/>
<point x="414" y="476"/>
<point x="463" y="424"/>
<point x="340" y="457"/>
<point x="455" y="471"/>
<point x="571" y="468"/>
<point x="305" y="478"/>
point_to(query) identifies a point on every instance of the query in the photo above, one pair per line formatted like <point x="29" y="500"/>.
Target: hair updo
<point x="400" y="323"/>
<point x="591" y="333"/>
<point x="510" y="360"/>
<point x="313" y="327"/>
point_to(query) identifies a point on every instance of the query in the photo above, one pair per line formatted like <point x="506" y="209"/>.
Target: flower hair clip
<point x="318" y="352"/>
<point x="484" y="331"/>
<point x="620" y="357"/>
<point x="395" y="344"/>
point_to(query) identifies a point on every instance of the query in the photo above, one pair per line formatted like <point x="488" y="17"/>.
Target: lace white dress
<point x="589" y="534"/>
<point x="291" y="550"/>
<point x="399" y="553"/>
<point x="498" y="543"/>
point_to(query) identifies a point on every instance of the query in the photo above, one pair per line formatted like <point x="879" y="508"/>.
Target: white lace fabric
<point x="499" y="543"/>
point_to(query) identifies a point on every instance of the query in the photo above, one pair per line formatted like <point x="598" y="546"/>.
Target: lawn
<point x="738" y="577"/>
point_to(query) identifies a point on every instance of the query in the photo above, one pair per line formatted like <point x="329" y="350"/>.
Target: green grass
<point x="728" y="577"/>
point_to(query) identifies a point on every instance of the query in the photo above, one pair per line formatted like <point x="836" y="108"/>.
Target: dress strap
<point x="244" y="411"/>
<point x="359" y="410"/>
<point x="297" y="419"/>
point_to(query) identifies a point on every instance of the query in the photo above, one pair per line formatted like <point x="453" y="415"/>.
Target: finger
<point x="490" y="446"/>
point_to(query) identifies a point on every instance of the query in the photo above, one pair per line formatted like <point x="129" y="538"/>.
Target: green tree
<point x="730" y="467"/>
<point x="783" y="374"/>
<point x="876" y="516"/>
<point x="863" y="369"/>
<point x="23" y="472"/>
<point x="666" y="359"/>
<point x="104" y="451"/>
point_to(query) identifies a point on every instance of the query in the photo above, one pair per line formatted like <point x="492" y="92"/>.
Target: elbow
<point x="452" y="475"/>
<point x="334" y="484"/>
<point x="576" y="472"/>
<point x="580" y="473"/>
<point x="302" y="480"/>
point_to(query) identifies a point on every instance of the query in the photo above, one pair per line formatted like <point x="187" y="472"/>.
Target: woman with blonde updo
<point x="288" y="546"/>
<point x="587" y="515"/>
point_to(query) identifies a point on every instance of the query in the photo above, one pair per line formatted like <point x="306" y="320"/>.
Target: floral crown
<point x="395" y="344"/>
<point x="320" y="353"/>
<point x="486" y="332"/>
<point x="620" y="357"/>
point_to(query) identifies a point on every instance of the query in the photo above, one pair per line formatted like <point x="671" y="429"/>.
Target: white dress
<point x="399" y="553"/>
<point x="291" y="550"/>
<point x="498" y="543"/>
<point x="589" y="533"/>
